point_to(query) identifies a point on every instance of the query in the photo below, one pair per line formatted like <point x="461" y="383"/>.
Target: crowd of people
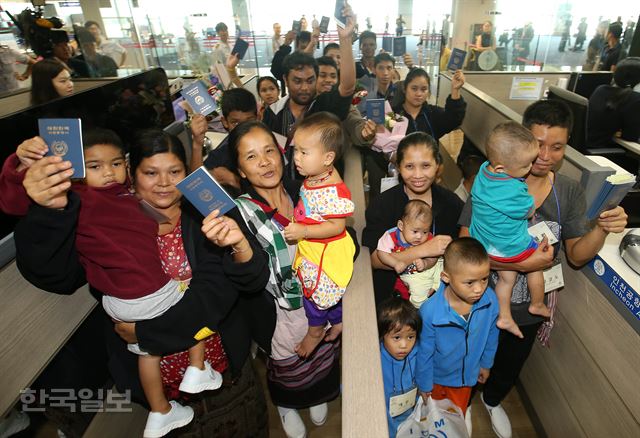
<point x="457" y="279"/>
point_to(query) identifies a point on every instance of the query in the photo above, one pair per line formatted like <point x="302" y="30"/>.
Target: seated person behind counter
<point x="616" y="108"/>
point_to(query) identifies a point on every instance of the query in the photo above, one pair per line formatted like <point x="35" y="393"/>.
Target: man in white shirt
<point x="277" y="39"/>
<point x="222" y="50"/>
<point x="470" y="167"/>
<point x="106" y="47"/>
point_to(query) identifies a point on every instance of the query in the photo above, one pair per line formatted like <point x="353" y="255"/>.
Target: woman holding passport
<point x="47" y="258"/>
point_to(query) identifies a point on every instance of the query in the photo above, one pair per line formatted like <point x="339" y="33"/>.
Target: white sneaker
<point x="319" y="413"/>
<point x="467" y="421"/>
<point x="499" y="420"/>
<point x="161" y="424"/>
<point x="17" y="421"/>
<point x="196" y="380"/>
<point x="293" y="425"/>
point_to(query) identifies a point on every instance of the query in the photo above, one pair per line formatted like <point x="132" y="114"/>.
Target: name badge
<point x="388" y="182"/>
<point x="553" y="278"/>
<point x="540" y="230"/>
<point x="401" y="403"/>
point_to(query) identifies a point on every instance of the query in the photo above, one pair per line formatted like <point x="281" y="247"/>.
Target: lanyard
<point x="423" y="114"/>
<point x="393" y="375"/>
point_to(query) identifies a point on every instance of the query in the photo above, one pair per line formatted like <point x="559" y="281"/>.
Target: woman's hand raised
<point x="47" y="182"/>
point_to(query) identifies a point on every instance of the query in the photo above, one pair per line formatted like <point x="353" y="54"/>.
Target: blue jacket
<point x="451" y="351"/>
<point x="401" y="374"/>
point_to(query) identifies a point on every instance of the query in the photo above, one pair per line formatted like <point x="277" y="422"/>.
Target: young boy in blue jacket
<point x="459" y="335"/>
<point x="398" y="326"/>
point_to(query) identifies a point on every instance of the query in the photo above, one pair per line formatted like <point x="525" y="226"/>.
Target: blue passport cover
<point x="456" y="61"/>
<point x="240" y="47"/>
<point x="205" y="193"/>
<point x="399" y="46"/>
<point x="64" y="138"/>
<point x="387" y="44"/>
<point x="199" y="99"/>
<point x="375" y="110"/>
<point x="341" y="20"/>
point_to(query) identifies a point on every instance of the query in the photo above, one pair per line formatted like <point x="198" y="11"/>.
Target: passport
<point x="387" y="44"/>
<point x="240" y="48"/>
<point x="341" y="20"/>
<point x="324" y="25"/>
<point x="456" y="60"/>
<point x="399" y="46"/>
<point x="205" y="193"/>
<point x="199" y="98"/>
<point x="64" y="138"/>
<point x="375" y="110"/>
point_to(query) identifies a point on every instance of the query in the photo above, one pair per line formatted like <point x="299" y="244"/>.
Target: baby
<point x="501" y="206"/>
<point x="324" y="257"/>
<point x="413" y="229"/>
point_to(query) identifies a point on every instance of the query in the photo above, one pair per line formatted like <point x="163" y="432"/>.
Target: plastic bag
<point x="435" y="419"/>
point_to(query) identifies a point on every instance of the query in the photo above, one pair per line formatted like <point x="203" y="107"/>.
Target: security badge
<point x="553" y="278"/>
<point x="401" y="403"/>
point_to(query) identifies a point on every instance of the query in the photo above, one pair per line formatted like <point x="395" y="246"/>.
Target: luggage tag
<point x="553" y="278"/>
<point x="388" y="182"/>
<point x="541" y="229"/>
<point x="401" y="403"/>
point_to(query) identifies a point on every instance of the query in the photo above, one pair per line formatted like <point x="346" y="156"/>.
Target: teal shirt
<point x="501" y="207"/>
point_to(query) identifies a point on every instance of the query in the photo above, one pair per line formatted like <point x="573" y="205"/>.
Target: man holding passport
<point x="560" y="203"/>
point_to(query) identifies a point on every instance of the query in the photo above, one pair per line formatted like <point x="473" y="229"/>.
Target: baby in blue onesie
<point x="501" y="206"/>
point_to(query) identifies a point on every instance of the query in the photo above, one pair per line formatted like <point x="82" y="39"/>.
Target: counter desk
<point x="586" y="383"/>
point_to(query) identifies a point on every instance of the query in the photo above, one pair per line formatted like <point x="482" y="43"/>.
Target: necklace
<point x="320" y="179"/>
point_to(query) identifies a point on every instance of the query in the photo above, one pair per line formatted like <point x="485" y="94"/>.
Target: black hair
<point x="238" y="134"/>
<point x="416" y="73"/>
<point x="330" y="127"/>
<point x="92" y="137"/>
<point x="615" y="29"/>
<point x="298" y="61"/>
<point x="267" y="79"/>
<point x="471" y="165"/>
<point x="329" y="47"/>
<point x="238" y="99"/>
<point x="395" y="313"/>
<point x="327" y="61"/>
<point x="626" y="76"/>
<point x="83" y="36"/>
<point x="150" y="142"/>
<point x="467" y="250"/>
<point x="417" y="209"/>
<point x="42" y="74"/>
<point x="548" y="113"/>
<point x="418" y="138"/>
<point x="367" y="34"/>
<point x="380" y="57"/>
<point x="221" y="26"/>
<point x="89" y="23"/>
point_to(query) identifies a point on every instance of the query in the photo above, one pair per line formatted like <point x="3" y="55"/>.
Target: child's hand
<point x="294" y="232"/>
<point x="198" y="129"/>
<point x="484" y="375"/>
<point x="31" y="150"/>
<point x="420" y="265"/>
<point x="425" y="395"/>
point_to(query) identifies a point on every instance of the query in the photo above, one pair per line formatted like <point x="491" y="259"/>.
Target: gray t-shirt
<point x="564" y="212"/>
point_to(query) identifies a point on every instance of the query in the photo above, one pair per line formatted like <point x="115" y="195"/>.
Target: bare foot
<point x="510" y="326"/>
<point x="309" y="343"/>
<point x="540" y="309"/>
<point x="333" y="332"/>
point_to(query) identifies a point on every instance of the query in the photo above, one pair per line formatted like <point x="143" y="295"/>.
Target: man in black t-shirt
<point x="613" y="51"/>
<point x="300" y="73"/>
